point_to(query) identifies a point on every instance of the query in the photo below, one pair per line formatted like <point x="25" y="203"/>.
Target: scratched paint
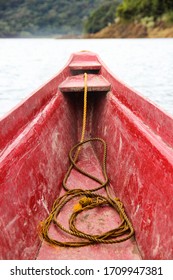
<point x="140" y="167"/>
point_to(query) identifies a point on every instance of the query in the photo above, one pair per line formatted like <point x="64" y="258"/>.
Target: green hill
<point x="25" y="18"/>
<point x="101" y="17"/>
<point x="132" y="19"/>
<point x="33" y="18"/>
<point x="137" y="9"/>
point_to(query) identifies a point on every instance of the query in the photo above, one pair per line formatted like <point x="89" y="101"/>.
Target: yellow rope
<point x="84" y="116"/>
<point x="89" y="199"/>
<point x="84" y="108"/>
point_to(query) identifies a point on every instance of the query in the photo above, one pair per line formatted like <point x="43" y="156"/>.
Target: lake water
<point x="144" y="64"/>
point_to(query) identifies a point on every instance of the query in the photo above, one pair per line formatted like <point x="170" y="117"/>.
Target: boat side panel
<point x="158" y="121"/>
<point x="140" y="167"/>
<point x="15" y="120"/>
<point x="32" y="169"/>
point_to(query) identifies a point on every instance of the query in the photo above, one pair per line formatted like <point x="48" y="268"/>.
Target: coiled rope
<point x="89" y="199"/>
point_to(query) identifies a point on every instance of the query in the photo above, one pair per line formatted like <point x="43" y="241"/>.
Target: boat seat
<point x="76" y="83"/>
<point x="84" y="65"/>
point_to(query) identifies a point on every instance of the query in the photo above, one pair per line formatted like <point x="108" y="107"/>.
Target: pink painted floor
<point x="95" y="221"/>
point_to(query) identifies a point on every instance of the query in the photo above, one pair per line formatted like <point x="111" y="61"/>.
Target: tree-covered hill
<point x="28" y="18"/>
<point x="22" y="18"/>
<point x="137" y="19"/>
<point x="137" y="9"/>
<point x="101" y="17"/>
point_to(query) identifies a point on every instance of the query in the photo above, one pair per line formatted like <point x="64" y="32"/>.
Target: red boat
<point x="117" y="191"/>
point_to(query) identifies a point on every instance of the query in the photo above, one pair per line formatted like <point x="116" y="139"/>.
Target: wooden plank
<point x="76" y="83"/>
<point x="85" y="65"/>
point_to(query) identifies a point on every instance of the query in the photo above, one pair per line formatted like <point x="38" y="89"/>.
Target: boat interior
<point x="51" y="126"/>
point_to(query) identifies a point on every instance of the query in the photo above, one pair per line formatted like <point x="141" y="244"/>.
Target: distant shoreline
<point x="134" y="30"/>
<point x="120" y="30"/>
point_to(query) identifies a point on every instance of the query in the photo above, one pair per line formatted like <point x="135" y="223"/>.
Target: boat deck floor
<point x="95" y="221"/>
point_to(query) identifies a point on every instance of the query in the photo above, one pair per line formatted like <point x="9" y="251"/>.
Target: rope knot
<point x="83" y="202"/>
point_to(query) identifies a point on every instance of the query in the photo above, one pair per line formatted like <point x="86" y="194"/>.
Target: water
<point x="144" y="64"/>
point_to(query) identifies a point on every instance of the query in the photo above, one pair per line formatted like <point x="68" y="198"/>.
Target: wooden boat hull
<point x="36" y="137"/>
